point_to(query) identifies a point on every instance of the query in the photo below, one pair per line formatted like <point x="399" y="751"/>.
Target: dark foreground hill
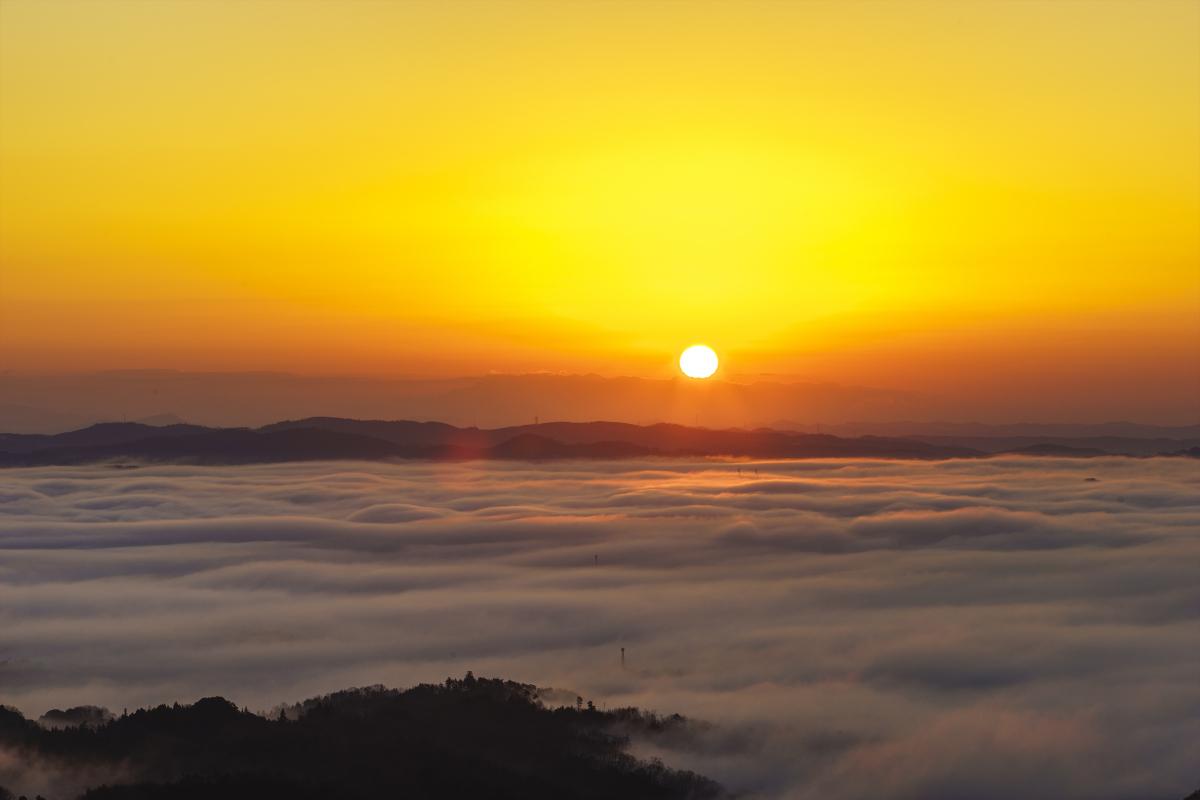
<point x="469" y="738"/>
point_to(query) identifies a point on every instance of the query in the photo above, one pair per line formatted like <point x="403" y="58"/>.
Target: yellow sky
<point x="866" y="192"/>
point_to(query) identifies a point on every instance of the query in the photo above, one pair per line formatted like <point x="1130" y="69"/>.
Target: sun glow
<point x="698" y="361"/>
<point x="885" y="195"/>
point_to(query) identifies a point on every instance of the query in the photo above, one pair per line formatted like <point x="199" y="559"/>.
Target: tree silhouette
<point x="469" y="737"/>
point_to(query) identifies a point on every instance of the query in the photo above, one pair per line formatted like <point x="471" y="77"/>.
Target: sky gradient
<point x="909" y="195"/>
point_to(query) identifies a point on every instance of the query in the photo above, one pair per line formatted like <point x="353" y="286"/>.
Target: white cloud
<point x="851" y="629"/>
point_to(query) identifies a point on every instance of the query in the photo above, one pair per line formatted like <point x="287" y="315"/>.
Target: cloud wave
<point x="993" y="628"/>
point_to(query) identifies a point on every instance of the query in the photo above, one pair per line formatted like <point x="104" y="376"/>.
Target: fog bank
<point x="993" y="628"/>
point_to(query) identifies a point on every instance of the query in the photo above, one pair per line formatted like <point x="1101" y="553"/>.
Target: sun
<point x="698" y="361"/>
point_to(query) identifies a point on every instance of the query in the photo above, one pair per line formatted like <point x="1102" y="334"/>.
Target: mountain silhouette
<point x="1057" y="449"/>
<point x="98" y="435"/>
<point x="331" y="438"/>
<point x="468" y="737"/>
<point x="324" y="438"/>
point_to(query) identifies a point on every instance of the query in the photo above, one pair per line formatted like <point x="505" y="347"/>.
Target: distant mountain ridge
<point x="35" y="403"/>
<point x="332" y="438"/>
<point x="1039" y="430"/>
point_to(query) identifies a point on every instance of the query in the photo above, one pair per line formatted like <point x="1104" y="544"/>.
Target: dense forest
<point x="470" y="738"/>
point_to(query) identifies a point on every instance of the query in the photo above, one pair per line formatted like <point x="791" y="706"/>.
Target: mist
<point x="999" y="628"/>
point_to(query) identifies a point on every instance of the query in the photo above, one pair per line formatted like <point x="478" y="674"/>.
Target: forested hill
<point x="468" y="738"/>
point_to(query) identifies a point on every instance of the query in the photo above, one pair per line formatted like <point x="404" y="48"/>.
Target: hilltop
<point x="469" y="737"/>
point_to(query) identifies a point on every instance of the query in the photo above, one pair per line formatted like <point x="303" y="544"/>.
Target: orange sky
<point x="910" y="195"/>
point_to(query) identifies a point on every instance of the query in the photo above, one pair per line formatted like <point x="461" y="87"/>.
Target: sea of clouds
<point x="846" y="629"/>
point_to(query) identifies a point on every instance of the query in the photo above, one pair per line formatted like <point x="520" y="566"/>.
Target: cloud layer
<point x="851" y="629"/>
